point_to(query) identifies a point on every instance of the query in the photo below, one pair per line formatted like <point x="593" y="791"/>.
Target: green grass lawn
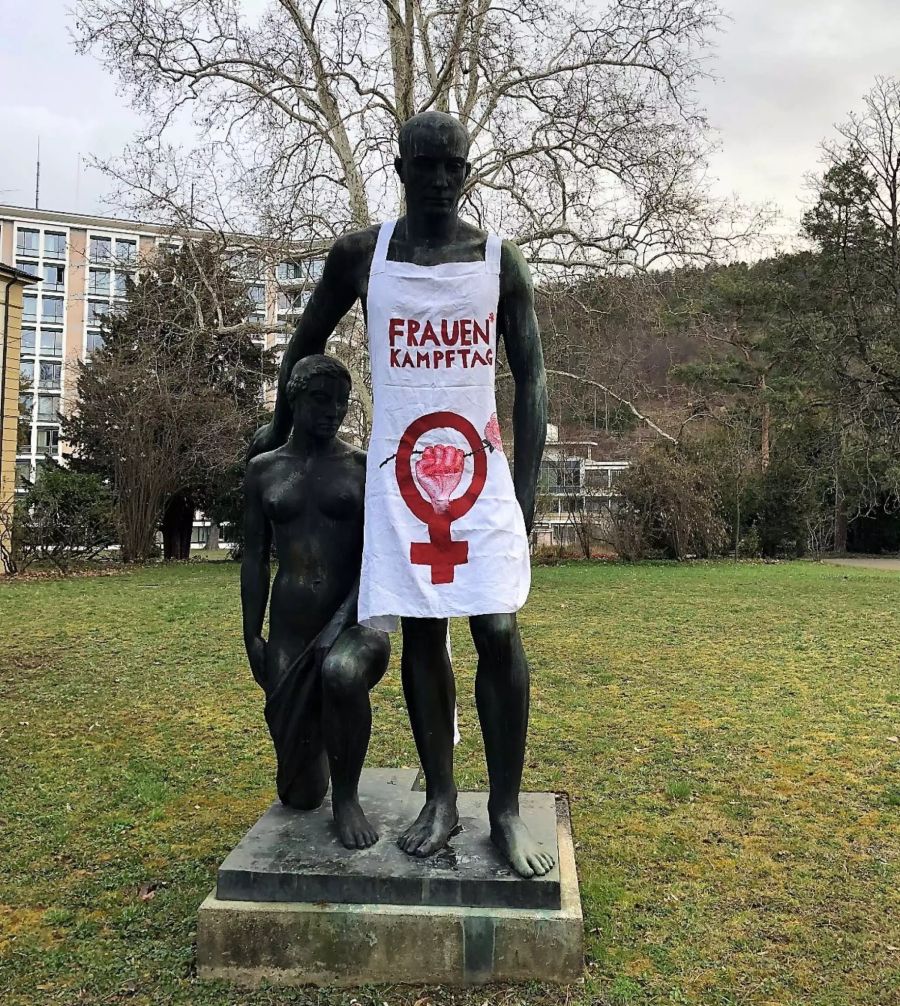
<point x="727" y="736"/>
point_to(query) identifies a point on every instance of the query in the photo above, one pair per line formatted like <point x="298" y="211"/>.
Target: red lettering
<point x="438" y="358"/>
<point x="478" y="358"/>
<point x="395" y="357"/>
<point x="464" y="353"/>
<point x="423" y="360"/>
<point x="395" y="330"/>
<point x="480" y="334"/>
<point x="412" y="326"/>
<point x="465" y="331"/>
<point x="489" y="356"/>
<point x="450" y="356"/>
<point x="448" y="338"/>
<point x="429" y="335"/>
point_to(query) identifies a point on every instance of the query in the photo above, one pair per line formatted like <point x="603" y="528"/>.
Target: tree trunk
<point x="212" y="542"/>
<point x="765" y="436"/>
<point x="840" y="518"/>
<point x="177" y="526"/>
<point x="137" y="515"/>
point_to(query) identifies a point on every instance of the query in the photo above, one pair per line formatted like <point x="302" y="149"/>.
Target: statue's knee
<point x="307" y="790"/>
<point x="494" y="635"/>
<point x="343" y="675"/>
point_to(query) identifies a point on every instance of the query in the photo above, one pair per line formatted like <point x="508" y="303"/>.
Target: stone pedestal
<point x="293" y="907"/>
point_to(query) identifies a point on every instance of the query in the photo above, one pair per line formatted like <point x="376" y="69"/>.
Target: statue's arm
<point x="332" y="298"/>
<point x="522" y="337"/>
<point x="255" y="572"/>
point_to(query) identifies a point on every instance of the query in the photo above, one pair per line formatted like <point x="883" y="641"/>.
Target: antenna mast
<point x="37" y="178"/>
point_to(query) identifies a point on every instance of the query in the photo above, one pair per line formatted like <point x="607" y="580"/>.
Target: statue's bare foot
<point x="524" y="855"/>
<point x="353" y="827"/>
<point x="431" y="829"/>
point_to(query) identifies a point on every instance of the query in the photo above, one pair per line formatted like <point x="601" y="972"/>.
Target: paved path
<point x="866" y="563"/>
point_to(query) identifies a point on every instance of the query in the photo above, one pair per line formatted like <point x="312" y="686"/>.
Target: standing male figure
<point x="445" y="522"/>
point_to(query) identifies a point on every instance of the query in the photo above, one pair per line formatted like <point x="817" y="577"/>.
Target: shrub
<point x="670" y="507"/>
<point x="64" y="517"/>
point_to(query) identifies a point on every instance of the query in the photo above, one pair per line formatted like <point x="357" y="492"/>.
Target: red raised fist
<point x="439" y="471"/>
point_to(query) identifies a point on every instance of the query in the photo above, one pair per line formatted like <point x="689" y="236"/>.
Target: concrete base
<point x="293" y="943"/>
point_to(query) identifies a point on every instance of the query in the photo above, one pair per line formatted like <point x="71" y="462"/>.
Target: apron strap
<point x="492" y="254"/>
<point x="385" y="233"/>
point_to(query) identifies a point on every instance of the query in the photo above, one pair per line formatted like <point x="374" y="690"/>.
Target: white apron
<point x="443" y="534"/>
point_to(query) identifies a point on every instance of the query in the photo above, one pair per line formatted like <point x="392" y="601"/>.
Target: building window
<point x="47" y="440"/>
<point x="199" y="534"/>
<point x="28" y="242"/>
<point x="51" y="310"/>
<point x="292" y="303"/>
<point x="98" y="281"/>
<point x="23" y="474"/>
<point x="50" y="376"/>
<point x="97" y="310"/>
<point x="121" y="284"/>
<point x="94" y="342"/>
<point x="258" y="296"/>
<point x="51" y="342"/>
<point x="54" y="277"/>
<point x="29" y="307"/>
<point x="48" y="408"/>
<point x="101" y="249"/>
<point x="126" y="252"/>
<point x="30" y="267"/>
<point x="289" y="272"/>
<point x="28" y="340"/>
<point x="26" y="373"/>
<point x="26" y="403"/>
<point x="23" y="436"/>
<point x="54" y="245"/>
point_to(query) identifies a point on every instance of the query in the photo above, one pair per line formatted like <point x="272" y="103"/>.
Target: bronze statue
<point x="432" y="354"/>
<point x="318" y="664"/>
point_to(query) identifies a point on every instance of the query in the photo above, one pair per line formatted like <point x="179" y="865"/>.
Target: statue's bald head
<point x="434" y="128"/>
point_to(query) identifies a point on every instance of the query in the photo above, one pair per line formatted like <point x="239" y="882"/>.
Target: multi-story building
<point x="83" y="263"/>
<point x="14" y="283"/>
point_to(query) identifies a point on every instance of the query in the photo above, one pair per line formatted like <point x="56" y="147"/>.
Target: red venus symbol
<point x="439" y="471"/>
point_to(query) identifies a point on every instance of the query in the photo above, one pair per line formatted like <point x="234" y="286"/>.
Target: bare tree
<point x="587" y="149"/>
<point x="873" y="138"/>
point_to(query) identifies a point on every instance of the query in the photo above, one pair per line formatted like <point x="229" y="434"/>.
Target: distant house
<point x="574" y="487"/>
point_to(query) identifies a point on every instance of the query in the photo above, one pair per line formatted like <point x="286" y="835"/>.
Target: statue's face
<point x="321" y="406"/>
<point x="434" y="169"/>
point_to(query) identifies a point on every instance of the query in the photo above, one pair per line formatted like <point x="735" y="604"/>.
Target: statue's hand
<point x="256" y="654"/>
<point x="263" y="440"/>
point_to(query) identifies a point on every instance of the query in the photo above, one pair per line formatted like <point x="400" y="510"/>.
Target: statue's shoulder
<point x="353" y="463"/>
<point x="355" y="247"/>
<point x="258" y="466"/>
<point x="515" y="275"/>
<point x="353" y="455"/>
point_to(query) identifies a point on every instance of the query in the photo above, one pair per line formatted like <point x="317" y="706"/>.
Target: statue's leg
<point x="293" y="714"/>
<point x="355" y="664"/>
<point x="502" y="695"/>
<point x="430" y="700"/>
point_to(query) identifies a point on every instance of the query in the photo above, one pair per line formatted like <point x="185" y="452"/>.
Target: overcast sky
<point x="787" y="69"/>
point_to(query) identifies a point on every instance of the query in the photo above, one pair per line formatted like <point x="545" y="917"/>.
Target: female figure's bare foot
<point x="431" y="829"/>
<point x="513" y="839"/>
<point x="353" y="827"/>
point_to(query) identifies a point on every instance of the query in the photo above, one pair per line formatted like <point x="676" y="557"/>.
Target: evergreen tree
<point x="167" y="404"/>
